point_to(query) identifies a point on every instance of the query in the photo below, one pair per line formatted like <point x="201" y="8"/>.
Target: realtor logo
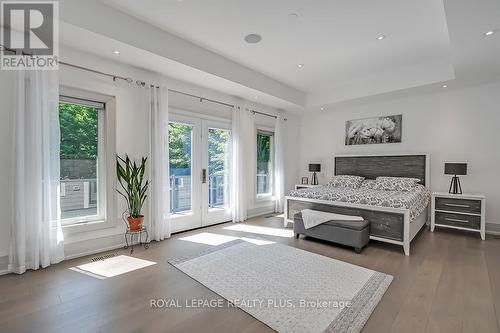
<point x="29" y="35"/>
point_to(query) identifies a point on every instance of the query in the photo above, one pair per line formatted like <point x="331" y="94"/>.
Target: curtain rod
<point x="201" y="98"/>
<point x="264" y="114"/>
<point x="142" y="83"/>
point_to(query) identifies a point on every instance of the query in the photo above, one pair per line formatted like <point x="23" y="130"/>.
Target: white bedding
<point x="313" y="218"/>
<point x="415" y="201"/>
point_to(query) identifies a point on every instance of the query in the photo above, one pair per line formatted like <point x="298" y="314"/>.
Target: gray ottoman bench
<point x="350" y="233"/>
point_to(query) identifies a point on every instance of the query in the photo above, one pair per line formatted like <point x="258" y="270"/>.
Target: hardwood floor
<point x="450" y="283"/>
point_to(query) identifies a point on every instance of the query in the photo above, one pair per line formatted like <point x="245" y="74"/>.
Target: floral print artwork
<point x="373" y="130"/>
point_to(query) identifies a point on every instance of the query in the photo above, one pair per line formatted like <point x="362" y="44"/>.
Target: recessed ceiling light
<point x="489" y="33"/>
<point x="381" y="37"/>
<point x="300" y="65"/>
<point x="445" y="86"/>
<point x="253" y="38"/>
<point x="116" y="52"/>
<point x="322" y="109"/>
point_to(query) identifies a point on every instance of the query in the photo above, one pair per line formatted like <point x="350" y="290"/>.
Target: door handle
<point x="203" y="176"/>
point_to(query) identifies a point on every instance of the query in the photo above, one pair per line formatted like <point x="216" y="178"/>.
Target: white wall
<point x="132" y="134"/>
<point x="451" y="125"/>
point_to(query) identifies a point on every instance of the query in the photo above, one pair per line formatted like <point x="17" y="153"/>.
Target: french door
<point x="200" y="172"/>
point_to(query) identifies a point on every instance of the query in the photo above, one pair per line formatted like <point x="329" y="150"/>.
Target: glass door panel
<point x="218" y="168"/>
<point x="217" y="159"/>
<point x="180" y="139"/>
<point x="184" y="139"/>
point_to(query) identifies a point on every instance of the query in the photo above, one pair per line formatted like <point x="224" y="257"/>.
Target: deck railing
<point x="181" y="193"/>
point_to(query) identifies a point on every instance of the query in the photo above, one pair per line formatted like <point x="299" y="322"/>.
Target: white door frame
<point x="200" y="214"/>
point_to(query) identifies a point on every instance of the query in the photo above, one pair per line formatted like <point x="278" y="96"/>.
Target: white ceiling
<point x="79" y="39"/>
<point x="334" y="39"/>
<point x="427" y="43"/>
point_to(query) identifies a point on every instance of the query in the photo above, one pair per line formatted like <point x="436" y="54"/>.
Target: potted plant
<point x="133" y="188"/>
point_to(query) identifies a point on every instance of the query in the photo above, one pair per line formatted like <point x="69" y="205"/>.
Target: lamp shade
<point x="314" y="167"/>
<point x="455" y="169"/>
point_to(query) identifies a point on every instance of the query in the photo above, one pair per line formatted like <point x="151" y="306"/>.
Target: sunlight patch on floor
<point x="254" y="229"/>
<point x="209" y="238"/>
<point x="257" y="241"/>
<point x="111" y="267"/>
<point x="218" y="239"/>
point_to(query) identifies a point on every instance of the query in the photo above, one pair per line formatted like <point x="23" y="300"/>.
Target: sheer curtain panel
<point x="238" y="180"/>
<point x="36" y="235"/>
<point x="279" y="164"/>
<point x="159" y="222"/>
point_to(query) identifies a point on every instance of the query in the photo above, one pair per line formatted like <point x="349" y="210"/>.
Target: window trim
<point x="269" y="195"/>
<point x="106" y="169"/>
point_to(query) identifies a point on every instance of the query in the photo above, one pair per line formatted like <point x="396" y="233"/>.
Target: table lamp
<point x="314" y="168"/>
<point x="455" y="169"/>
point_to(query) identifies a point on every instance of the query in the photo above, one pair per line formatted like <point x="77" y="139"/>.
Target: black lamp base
<point x="455" y="187"/>
<point x="314" y="179"/>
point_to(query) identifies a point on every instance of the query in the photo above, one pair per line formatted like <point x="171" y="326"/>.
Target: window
<point x="81" y="160"/>
<point x="264" y="163"/>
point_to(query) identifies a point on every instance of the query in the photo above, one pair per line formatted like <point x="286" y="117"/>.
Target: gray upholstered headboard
<point x="373" y="166"/>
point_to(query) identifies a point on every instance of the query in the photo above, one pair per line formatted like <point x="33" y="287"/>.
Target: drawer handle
<point x="457" y="205"/>
<point x="456" y="220"/>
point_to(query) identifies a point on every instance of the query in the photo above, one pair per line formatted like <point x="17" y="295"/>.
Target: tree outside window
<point x="264" y="162"/>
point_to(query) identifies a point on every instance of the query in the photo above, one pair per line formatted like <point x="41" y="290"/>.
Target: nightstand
<point x="459" y="211"/>
<point x="299" y="186"/>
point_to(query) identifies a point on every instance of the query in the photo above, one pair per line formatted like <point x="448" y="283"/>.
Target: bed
<point x="395" y="217"/>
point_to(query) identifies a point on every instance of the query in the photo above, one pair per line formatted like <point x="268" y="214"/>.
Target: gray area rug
<point x="288" y="289"/>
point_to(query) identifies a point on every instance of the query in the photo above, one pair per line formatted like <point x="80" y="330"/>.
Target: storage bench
<point x="350" y="233"/>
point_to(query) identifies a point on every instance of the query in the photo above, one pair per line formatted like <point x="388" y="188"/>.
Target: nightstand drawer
<point x="458" y="205"/>
<point x="458" y="220"/>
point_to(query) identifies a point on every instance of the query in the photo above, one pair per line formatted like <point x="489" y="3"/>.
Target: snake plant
<point x="133" y="185"/>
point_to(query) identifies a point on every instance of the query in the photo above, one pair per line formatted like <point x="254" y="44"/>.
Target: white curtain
<point x="159" y="221"/>
<point x="279" y="164"/>
<point x="238" y="181"/>
<point x="36" y="235"/>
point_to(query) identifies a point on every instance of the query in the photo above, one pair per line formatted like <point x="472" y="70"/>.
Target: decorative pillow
<point x="345" y="181"/>
<point x="368" y="184"/>
<point x="415" y="180"/>
<point x="396" y="184"/>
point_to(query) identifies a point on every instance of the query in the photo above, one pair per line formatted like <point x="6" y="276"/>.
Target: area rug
<point x="288" y="289"/>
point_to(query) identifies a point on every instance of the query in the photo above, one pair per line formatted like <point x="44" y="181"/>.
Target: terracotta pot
<point x="135" y="223"/>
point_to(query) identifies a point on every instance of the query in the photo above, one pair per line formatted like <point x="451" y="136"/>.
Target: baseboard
<point x="80" y="249"/>
<point x="259" y="212"/>
<point x="493" y="228"/>
<point x="88" y="247"/>
<point x="4" y="263"/>
<point x="88" y="253"/>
